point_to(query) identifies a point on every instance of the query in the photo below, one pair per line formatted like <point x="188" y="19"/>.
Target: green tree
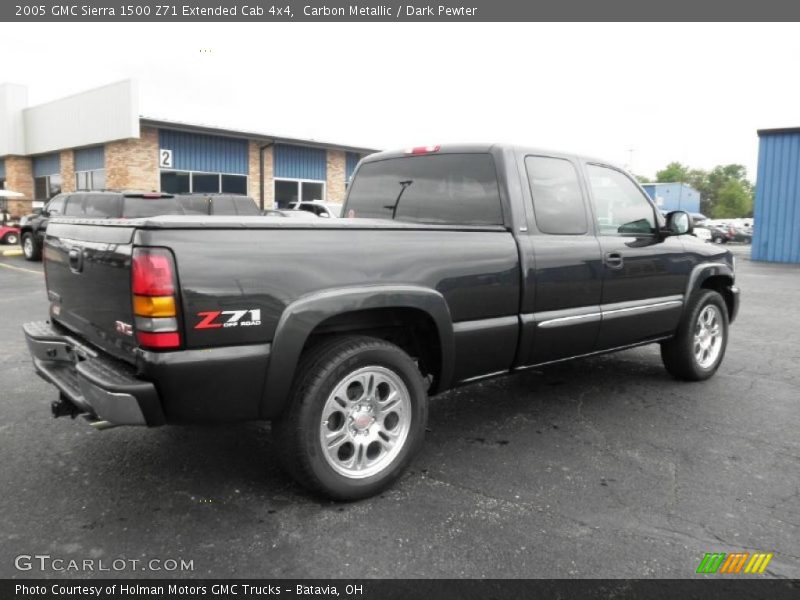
<point x="733" y="199"/>
<point x="673" y="172"/>
<point x="642" y="178"/>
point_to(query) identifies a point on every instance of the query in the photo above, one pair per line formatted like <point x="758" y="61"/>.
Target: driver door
<point x="644" y="273"/>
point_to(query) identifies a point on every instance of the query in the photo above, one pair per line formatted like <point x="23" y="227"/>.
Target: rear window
<point x="247" y="206"/>
<point x="93" y="206"/>
<point x="442" y="188"/>
<point x="194" y="205"/>
<point x="150" y="207"/>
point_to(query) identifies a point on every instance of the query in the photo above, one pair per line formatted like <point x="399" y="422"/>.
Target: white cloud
<point x="689" y="92"/>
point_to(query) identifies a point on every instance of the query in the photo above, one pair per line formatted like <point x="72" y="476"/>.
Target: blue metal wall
<point x="298" y="162"/>
<point x="674" y="196"/>
<point x="89" y="159"/>
<point x="2" y="168"/>
<point x="350" y="164"/>
<point x="198" y="152"/>
<point x="776" y="222"/>
<point x="47" y="164"/>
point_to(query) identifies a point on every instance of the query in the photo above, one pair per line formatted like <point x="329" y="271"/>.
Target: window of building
<point x="621" y="208"/>
<point x="90" y="180"/>
<point x="293" y="190"/>
<point x="47" y="186"/>
<point x="186" y="182"/>
<point x="557" y="199"/>
<point x="444" y="188"/>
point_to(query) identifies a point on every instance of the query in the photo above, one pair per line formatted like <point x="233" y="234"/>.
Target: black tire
<point x="11" y="238"/>
<point x="678" y="353"/>
<point x="30" y="247"/>
<point x="297" y="432"/>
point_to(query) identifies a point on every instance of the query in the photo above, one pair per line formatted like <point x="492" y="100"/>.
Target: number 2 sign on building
<point x="165" y="159"/>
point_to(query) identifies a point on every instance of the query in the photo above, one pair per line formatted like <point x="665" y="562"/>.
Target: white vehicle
<point x="327" y="210"/>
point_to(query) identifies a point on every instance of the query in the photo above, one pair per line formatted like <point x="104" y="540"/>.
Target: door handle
<point x="75" y="260"/>
<point x="613" y="260"/>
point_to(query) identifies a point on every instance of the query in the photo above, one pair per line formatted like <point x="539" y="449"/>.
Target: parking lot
<point x="604" y="467"/>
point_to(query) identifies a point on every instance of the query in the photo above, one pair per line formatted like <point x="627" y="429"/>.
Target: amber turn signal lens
<point x="154" y="306"/>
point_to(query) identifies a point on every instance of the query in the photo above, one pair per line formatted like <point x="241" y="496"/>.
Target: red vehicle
<point x="9" y="234"/>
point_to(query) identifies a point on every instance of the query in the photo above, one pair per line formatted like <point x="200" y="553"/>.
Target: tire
<point x="330" y="401"/>
<point x="30" y="248"/>
<point x="11" y="238"/>
<point x="695" y="353"/>
<point x="718" y="240"/>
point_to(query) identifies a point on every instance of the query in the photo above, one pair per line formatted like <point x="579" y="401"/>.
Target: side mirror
<point x="679" y="223"/>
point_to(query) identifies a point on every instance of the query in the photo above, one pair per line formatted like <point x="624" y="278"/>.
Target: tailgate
<point x="88" y="271"/>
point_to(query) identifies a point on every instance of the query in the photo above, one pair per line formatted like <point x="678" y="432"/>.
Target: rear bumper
<point x="102" y="388"/>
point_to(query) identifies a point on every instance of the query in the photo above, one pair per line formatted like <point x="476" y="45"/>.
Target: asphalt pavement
<point x="604" y="467"/>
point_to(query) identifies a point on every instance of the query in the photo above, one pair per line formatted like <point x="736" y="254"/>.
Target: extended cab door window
<point x="558" y="204"/>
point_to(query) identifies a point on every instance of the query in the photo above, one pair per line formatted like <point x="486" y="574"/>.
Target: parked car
<point x="218" y="204"/>
<point x="319" y="208"/>
<point x="702" y="233"/>
<point x="722" y="234"/>
<point x="92" y="205"/>
<point x="338" y="330"/>
<point x="698" y="219"/>
<point x="9" y="234"/>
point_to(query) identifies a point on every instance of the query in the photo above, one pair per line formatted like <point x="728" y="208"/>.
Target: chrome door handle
<point x="613" y="260"/>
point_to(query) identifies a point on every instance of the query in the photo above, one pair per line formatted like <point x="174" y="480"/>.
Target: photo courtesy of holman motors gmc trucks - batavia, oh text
<point x="450" y="264"/>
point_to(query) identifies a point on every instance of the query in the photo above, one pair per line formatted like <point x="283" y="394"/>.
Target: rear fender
<point x="301" y="317"/>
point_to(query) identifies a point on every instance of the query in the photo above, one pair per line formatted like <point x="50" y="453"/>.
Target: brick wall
<point x="19" y="178"/>
<point x="67" y="171"/>
<point x="133" y="163"/>
<point x="336" y="176"/>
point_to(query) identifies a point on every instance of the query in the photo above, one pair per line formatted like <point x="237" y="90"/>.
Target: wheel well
<point x="721" y="284"/>
<point x="411" y="329"/>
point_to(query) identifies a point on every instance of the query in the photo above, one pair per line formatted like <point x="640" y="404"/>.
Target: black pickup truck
<point x="452" y="264"/>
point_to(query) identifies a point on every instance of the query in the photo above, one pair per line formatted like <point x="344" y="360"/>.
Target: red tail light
<point x="159" y="341"/>
<point x="153" y="273"/>
<point x="154" y="285"/>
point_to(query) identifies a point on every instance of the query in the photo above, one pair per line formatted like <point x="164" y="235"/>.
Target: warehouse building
<point x="776" y="220"/>
<point x="97" y="140"/>
<point x="674" y="196"/>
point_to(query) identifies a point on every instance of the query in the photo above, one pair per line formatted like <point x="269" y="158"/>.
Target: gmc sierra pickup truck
<point x="451" y="264"/>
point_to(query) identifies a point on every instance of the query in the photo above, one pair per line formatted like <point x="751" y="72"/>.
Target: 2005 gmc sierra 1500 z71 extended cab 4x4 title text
<point x="451" y="264"/>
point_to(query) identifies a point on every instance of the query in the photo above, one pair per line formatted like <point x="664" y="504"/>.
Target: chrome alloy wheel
<point x="708" y="336"/>
<point x="27" y="246"/>
<point x="365" y="422"/>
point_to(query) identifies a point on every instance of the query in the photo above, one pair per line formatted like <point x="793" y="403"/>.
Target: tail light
<point x="423" y="149"/>
<point x="154" y="287"/>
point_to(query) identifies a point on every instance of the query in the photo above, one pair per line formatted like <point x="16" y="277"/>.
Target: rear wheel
<point x="30" y="248"/>
<point x="697" y="350"/>
<point x="355" y="420"/>
<point x="11" y="238"/>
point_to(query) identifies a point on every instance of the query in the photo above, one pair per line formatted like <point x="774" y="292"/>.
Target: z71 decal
<point x="217" y="319"/>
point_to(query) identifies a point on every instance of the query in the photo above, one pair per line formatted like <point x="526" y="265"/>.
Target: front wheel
<point x="696" y="351"/>
<point x="355" y="420"/>
<point x="11" y="238"/>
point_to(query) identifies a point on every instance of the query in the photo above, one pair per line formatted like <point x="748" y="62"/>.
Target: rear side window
<point x="438" y="188"/>
<point x="93" y="206"/>
<point x="557" y="199"/>
<point x="150" y="207"/>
